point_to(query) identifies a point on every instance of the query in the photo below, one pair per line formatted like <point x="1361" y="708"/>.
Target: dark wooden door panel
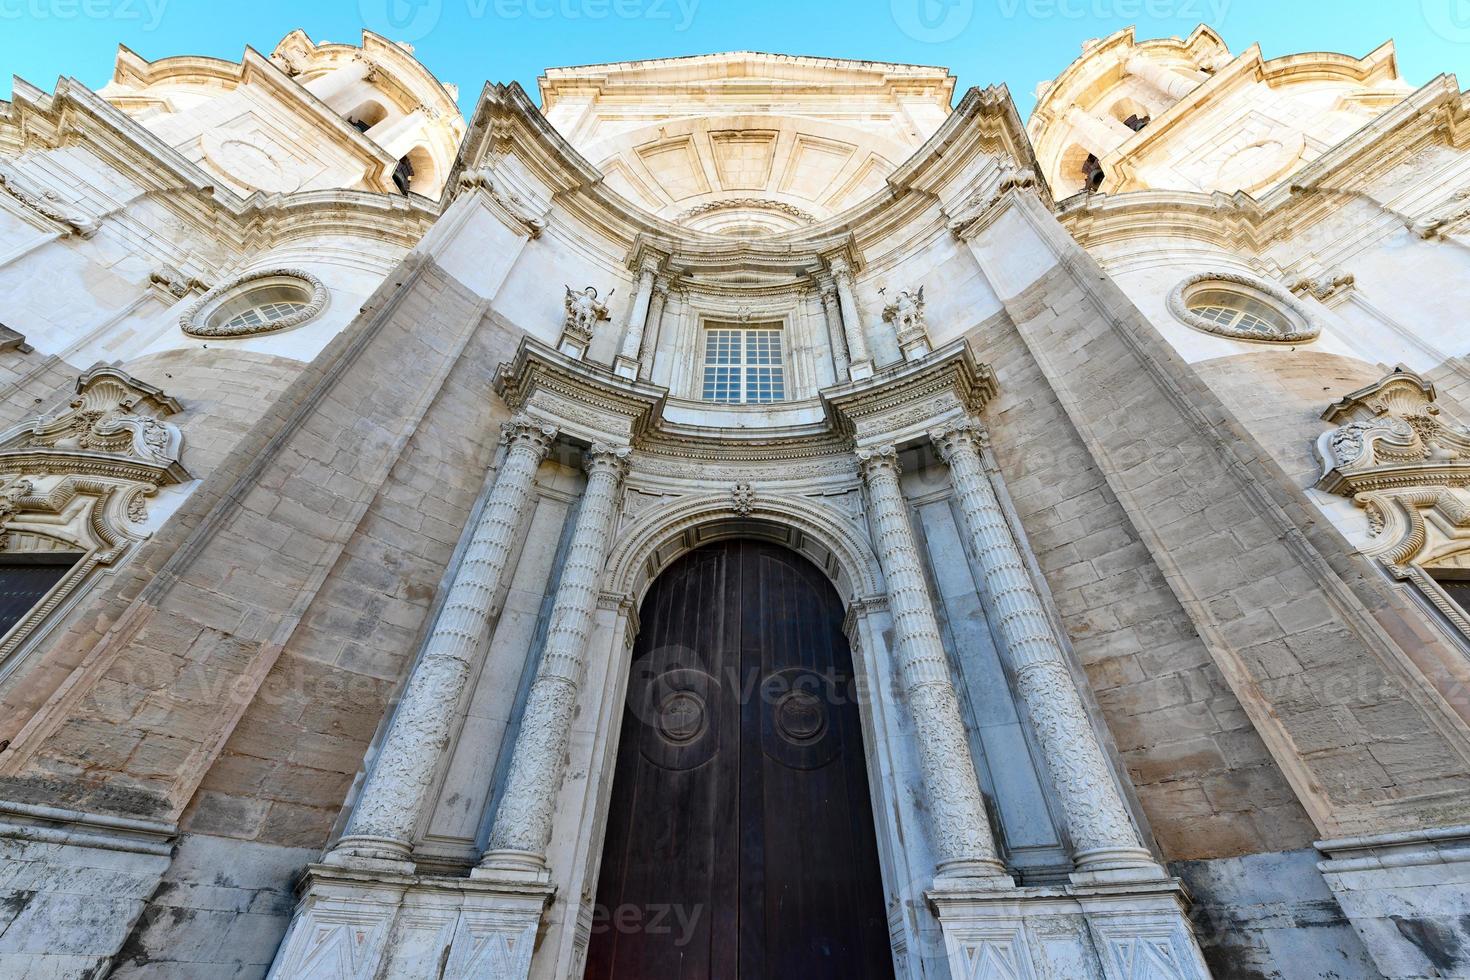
<point x="740" y="839"/>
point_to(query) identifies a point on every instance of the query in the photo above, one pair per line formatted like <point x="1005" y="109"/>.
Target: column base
<point x="439" y="927"/>
<point x="1082" y="933"/>
<point x="860" y="370"/>
<point x="513" y="866"/>
<point x="626" y="367"/>
<point x="371" y="854"/>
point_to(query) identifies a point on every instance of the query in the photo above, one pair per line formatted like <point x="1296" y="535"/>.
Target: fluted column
<point x="1172" y="83"/>
<point x="627" y="361"/>
<point x="1097" y="819"/>
<point x="962" y="838"/>
<point x="860" y="364"/>
<point x="655" y="326"/>
<point x="833" y="313"/>
<point x="392" y="801"/>
<point x="523" y="821"/>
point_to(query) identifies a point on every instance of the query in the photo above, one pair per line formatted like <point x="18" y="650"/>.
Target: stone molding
<point x="583" y="400"/>
<point x="903" y="403"/>
<point x="1308" y="326"/>
<point x="48" y="205"/>
<point x="195" y="320"/>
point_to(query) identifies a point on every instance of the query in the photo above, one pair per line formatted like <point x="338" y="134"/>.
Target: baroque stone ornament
<point x="392" y="801"/>
<point x="1304" y="325"/>
<point x="963" y="841"/>
<point x="76" y="480"/>
<point x="202" y="319"/>
<point x="1396" y="455"/>
<point x="1390" y="435"/>
<point x="522" y="826"/>
<point x="742" y="496"/>
<point x="1097" y="818"/>
<point x="906" y="313"/>
<point x="584" y="310"/>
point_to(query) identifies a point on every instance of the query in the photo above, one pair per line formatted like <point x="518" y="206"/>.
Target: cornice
<point x="584" y="400"/>
<point x="902" y="403"/>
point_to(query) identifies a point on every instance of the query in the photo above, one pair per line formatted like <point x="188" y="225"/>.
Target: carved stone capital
<point x="876" y="460"/>
<point x="524" y="431"/>
<point x="966" y="436"/>
<point x="604" y="458"/>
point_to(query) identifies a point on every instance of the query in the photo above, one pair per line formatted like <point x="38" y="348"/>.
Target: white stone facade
<point x="1133" y="439"/>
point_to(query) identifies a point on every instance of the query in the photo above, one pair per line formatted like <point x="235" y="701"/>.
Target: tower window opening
<point x="403" y="175"/>
<point x="1092" y="172"/>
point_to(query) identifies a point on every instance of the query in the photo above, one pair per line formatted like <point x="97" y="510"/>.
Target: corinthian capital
<point x="602" y="456"/>
<point x="967" y="436"/>
<point x="874" y="460"/>
<point x="529" y="432"/>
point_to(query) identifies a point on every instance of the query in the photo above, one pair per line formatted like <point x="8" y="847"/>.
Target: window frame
<point x="1295" y="321"/>
<point x="744" y="366"/>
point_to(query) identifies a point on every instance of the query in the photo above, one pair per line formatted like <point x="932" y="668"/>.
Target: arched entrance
<point x="740" y="837"/>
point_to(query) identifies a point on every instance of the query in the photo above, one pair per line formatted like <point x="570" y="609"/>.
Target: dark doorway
<point x="740" y="840"/>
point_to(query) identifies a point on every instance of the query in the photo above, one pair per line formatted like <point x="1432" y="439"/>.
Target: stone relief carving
<point x="1324" y="286"/>
<point x="1305" y="325"/>
<point x="196" y="319"/>
<point x="176" y="283"/>
<point x="752" y="203"/>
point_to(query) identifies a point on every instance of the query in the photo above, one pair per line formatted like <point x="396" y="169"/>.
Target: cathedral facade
<point x="743" y="516"/>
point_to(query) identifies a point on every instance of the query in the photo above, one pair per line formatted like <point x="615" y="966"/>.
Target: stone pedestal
<point x="1073" y="933"/>
<point x="358" y="924"/>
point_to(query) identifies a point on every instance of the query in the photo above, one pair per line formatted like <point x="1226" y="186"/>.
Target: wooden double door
<point x="740" y="840"/>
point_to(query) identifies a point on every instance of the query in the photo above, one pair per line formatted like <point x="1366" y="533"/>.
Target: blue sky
<point x="1018" y="42"/>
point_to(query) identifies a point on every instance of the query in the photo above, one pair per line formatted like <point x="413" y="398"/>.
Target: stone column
<point x="962" y="838"/>
<point x="655" y="326"/>
<point x="392" y="802"/>
<point x="1097" y="819"/>
<point x="1099" y="136"/>
<point x="523" y="821"/>
<point x="626" y="364"/>
<point x="1172" y="83"/>
<point x="331" y="84"/>
<point x="834" y="332"/>
<point x="860" y="364"/>
<point x="398" y="137"/>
